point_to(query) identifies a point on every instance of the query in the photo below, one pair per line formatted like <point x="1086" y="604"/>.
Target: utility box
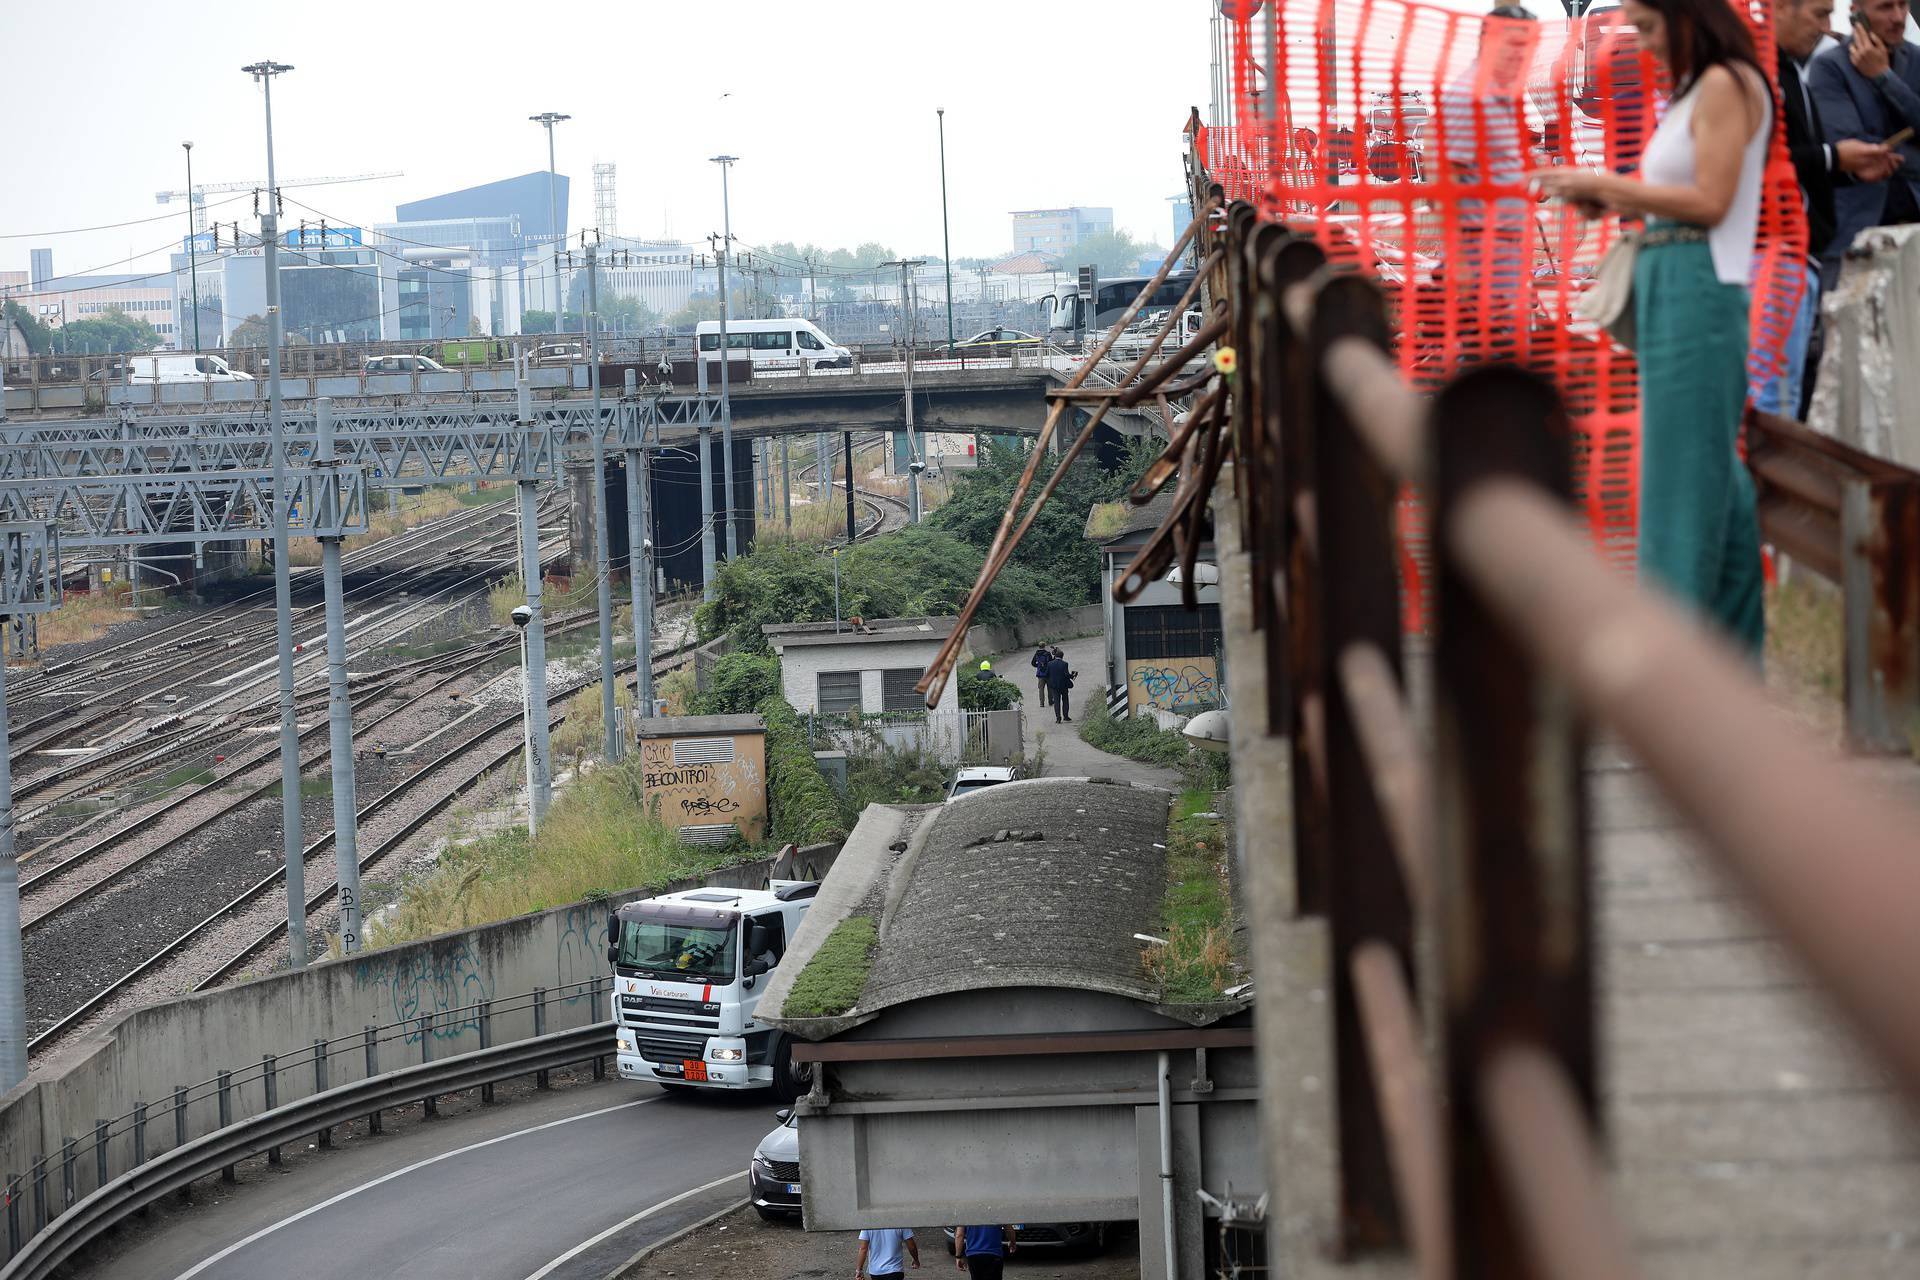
<point x="706" y="776"/>
<point x="833" y="767"/>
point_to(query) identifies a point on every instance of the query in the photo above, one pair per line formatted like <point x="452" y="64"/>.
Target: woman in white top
<point x="1699" y="190"/>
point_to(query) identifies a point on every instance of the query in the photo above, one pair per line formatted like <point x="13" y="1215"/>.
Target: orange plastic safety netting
<point x="1402" y="135"/>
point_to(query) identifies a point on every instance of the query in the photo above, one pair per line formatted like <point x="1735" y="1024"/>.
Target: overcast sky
<point x="830" y="109"/>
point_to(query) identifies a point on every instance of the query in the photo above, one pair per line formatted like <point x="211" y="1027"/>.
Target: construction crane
<point x="201" y="189"/>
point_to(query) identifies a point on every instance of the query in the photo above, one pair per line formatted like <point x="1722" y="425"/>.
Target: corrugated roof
<point x="873" y="631"/>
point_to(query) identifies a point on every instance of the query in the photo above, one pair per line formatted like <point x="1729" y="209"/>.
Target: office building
<point x="1057" y="231"/>
<point x="41" y="262"/>
<point x="144" y="297"/>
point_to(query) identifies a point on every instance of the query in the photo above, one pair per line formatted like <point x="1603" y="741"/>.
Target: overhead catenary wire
<point x="113" y="226"/>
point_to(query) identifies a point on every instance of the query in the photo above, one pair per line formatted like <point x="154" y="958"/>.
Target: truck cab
<point x="688" y="970"/>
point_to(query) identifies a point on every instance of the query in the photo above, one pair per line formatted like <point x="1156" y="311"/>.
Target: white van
<point x="184" y="367"/>
<point x="774" y="344"/>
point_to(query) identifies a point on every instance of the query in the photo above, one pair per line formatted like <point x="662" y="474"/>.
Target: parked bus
<point x="773" y="344"/>
<point x="1067" y="312"/>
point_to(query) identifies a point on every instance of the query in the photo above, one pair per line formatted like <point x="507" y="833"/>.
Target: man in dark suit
<point x="1798" y="26"/>
<point x="1867" y="88"/>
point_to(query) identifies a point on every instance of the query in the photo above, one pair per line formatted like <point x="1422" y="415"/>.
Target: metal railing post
<point x="540" y="1079"/>
<point x="593" y="1007"/>
<point x="180" y="1132"/>
<point x="486" y="1042"/>
<point x="69" y="1152"/>
<point x="270" y="1094"/>
<point x="429" y="1105"/>
<point x="39" y="1194"/>
<point x="1367" y="898"/>
<point x="139" y="1134"/>
<point x="372" y="1039"/>
<point x="1511" y="827"/>
<point x="325" y="1137"/>
<point x="13" y="1215"/>
<point x="99" y="1153"/>
<point x="227" y="1174"/>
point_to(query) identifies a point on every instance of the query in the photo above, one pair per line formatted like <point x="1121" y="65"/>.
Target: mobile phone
<point x="1859" y="19"/>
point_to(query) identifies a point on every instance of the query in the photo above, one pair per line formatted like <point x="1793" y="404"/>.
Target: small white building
<point x="1165" y="656"/>
<point x="839" y="669"/>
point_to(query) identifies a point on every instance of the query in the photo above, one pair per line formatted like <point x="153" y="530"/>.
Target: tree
<point x="1115" y="253"/>
<point x="39" y="338"/>
<point x="980" y="692"/>
<point x="251" y="332"/>
<point x="536" y="322"/>
<point x="739" y="683"/>
<point x="108" y="334"/>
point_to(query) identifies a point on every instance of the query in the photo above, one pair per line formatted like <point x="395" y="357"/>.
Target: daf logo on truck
<point x="688" y="970"/>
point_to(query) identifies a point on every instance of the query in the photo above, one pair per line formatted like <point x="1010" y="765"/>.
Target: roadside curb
<point x="628" y="1267"/>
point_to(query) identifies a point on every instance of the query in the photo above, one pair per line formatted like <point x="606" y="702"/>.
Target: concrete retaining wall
<point x="1042" y="628"/>
<point x="146" y="1054"/>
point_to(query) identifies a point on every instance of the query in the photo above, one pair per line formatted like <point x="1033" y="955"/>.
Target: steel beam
<point x="346" y="805"/>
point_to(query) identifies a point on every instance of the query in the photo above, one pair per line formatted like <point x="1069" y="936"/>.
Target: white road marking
<point x="266" y="1231"/>
<point x="618" y="1227"/>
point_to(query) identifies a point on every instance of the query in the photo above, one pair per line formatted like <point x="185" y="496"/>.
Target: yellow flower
<point x="1226" y="360"/>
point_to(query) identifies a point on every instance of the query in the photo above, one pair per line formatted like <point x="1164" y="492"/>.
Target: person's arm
<point x="1724" y="120"/>
<point x="1872" y="59"/>
<point x="860" y="1267"/>
<point x="1006" y="1238"/>
<point x="960" y="1248"/>
<point x="913" y="1251"/>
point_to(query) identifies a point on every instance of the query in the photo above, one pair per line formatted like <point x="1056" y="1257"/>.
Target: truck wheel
<point x="790" y="1078"/>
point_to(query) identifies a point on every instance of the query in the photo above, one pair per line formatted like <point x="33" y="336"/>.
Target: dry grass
<point x="1805" y="650"/>
<point x="83" y="618"/>
<point x="583" y="734"/>
<point x="676" y="689"/>
<point x="434" y="503"/>
<point x="509" y="593"/>
<point x="598" y="839"/>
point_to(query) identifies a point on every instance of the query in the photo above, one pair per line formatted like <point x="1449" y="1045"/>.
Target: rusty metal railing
<point x="1855" y="520"/>
<point x="1483" y="1160"/>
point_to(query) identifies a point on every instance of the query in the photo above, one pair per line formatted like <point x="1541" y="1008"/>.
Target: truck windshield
<point x="677" y="949"/>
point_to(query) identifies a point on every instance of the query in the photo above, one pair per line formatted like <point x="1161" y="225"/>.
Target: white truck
<point x="688" y="970"/>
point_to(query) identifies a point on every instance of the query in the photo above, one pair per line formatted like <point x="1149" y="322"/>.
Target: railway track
<point x="498" y="744"/>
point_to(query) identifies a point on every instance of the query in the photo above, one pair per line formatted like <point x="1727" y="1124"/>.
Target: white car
<point x="979" y="778"/>
<point x="404" y="364"/>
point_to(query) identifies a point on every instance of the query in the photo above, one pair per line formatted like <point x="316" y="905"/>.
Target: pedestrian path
<point x="1066" y="756"/>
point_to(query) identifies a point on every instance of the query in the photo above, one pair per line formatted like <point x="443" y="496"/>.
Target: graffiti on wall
<point x="1172" y="684"/>
<point x="687" y="792"/>
<point x="444" y="983"/>
<point x="580" y="954"/>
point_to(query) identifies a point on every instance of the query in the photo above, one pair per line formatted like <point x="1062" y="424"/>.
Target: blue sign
<point x="309" y="237"/>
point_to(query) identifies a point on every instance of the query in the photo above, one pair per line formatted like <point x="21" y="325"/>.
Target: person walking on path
<point x="1041" y="658"/>
<point x="880" y="1249"/>
<point x="982" y="1252"/>
<point x="1059" y="681"/>
<point x="1699" y="190"/>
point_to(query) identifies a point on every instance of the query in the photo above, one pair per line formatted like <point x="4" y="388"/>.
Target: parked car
<point x="1000" y="341"/>
<point x="979" y="778"/>
<point x="404" y="364"/>
<point x="1089" y="1237"/>
<point x="773" y="1175"/>
<point x="559" y="353"/>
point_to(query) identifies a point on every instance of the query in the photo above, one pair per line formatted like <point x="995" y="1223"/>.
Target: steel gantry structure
<point x="207" y="478"/>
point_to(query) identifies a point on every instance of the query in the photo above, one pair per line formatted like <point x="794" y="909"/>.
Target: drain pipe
<point x="1166" y="1167"/>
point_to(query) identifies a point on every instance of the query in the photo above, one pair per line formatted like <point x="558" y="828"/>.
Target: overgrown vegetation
<point x="1805" y="660"/>
<point x="1056" y="547"/>
<point x="990" y="694"/>
<point x="893" y="775"/>
<point x="82" y="618"/>
<point x="597" y="839"/>
<point x="584" y="732"/>
<point x="434" y="503"/>
<point x="509" y="593"/>
<point x="914" y="572"/>
<point x="1141" y="738"/>
<point x="1195" y="963"/>
<point x="837" y="973"/>
<point x="803" y="808"/>
<point x="738" y="684"/>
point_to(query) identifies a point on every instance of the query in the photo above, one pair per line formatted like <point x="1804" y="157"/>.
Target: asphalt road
<point x="560" y="1186"/>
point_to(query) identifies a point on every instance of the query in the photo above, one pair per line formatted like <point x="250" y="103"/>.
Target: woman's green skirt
<point x="1699" y="532"/>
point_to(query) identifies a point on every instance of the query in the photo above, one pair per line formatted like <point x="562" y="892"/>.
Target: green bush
<point x="991" y="694"/>
<point x="1196" y="963"/>
<point x="804" y="808"/>
<point x="899" y="775"/>
<point x="914" y="572"/>
<point x="1136" y="738"/>
<point x="739" y="683"/>
<point x="836" y="975"/>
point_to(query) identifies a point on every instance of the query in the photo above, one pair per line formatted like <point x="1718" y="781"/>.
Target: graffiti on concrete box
<point x="1172" y="684"/>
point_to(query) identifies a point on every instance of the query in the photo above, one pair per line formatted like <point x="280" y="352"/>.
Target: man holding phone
<point x="1867" y="89"/>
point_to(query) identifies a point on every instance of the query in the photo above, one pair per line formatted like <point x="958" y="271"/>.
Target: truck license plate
<point x="694" y="1070"/>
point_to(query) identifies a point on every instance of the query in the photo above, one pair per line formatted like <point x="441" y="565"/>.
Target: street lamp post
<point x="726" y="354"/>
<point x="296" y="873"/>
<point x="946" y="243"/>
<point x="193" y="255"/>
<point x="550" y="119"/>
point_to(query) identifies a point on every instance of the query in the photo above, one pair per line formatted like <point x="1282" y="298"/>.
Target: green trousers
<point x="1699" y="532"/>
